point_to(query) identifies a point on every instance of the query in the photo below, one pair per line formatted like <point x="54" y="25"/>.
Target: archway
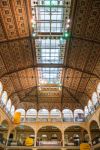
<point x="12" y="110"/>
<point x="74" y="135"/>
<point x="55" y="115"/>
<point x="90" y="107"/>
<point x="31" y="115"/>
<point x="43" y="115"/>
<point x="19" y="134"/>
<point x="4" y="98"/>
<point x="95" y="132"/>
<point x="98" y="91"/>
<point x="79" y="115"/>
<point x="4" y="131"/>
<point x="8" y="106"/>
<point x="49" y="136"/>
<point x="1" y="88"/>
<point x="67" y="115"/>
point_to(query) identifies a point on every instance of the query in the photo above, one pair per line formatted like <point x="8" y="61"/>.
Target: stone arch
<point x="49" y="126"/>
<point x="75" y="131"/>
<point x="49" y="132"/>
<point x="82" y="126"/>
<point x="25" y="131"/>
<point x="4" y="130"/>
<point x="94" y="130"/>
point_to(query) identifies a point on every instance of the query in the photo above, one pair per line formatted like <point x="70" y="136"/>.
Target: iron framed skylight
<point x="50" y="22"/>
<point x="49" y="19"/>
<point x="49" y="51"/>
<point x="50" y="75"/>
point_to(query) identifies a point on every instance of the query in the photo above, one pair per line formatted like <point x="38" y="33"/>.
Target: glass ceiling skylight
<point x="49" y="75"/>
<point x="50" y="24"/>
<point x="49" y="51"/>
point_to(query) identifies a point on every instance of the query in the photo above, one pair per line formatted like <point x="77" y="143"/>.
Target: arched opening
<point x="55" y="115"/>
<point x="1" y="88"/>
<point x="31" y="115"/>
<point x="86" y="111"/>
<point x="4" y="98"/>
<point x="95" y="99"/>
<point x="98" y="91"/>
<point x="79" y="115"/>
<point x="49" y="136"/>
<point x="75" y="135"/>
<point x="22" y="111"/>
<point x="43" y="115"/>
<point x="8" y="106"/>
<point x="90" y="107"/>
<point x="19" y="135"/>
<point x="12" y="110"/>
<point x="4" y="132"/>
<point x="95" y="132"/>
<point x="67" y="115"/>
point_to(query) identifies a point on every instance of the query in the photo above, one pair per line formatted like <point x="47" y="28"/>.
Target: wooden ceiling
<point x="18" y="65"/>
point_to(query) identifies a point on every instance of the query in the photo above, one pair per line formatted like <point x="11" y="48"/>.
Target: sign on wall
<point x="85" y="146"/>
<point x="17" y="117"/>
<point x="29" y="141"/>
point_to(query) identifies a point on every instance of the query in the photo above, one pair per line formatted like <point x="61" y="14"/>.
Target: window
<point x="49" y="51"/>
<point x="49" y="24"/>
<point x="79" y="115"/>
<point x="94" y="98"/>
<point x="12" y="110"/>
<point x="31" y="115"/>
<point x="31" y="112"/>
<point x="90" y="106"/>
<point x="8" y="106"/>
<point x="67" y="115"/>
<point x="49" y="75"/>
<point x="43" y="113"/>
<point x="4" y="97"/>
<point x="55" y="113"/>
<point x="1" y="88"/>
<point x="86" y="111"/>
<point x="98" y="90"/>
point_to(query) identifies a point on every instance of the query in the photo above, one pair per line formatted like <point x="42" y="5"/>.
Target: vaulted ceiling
<point x="18" y="65"/>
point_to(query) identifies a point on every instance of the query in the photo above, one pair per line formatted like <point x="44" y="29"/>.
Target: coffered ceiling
<point x="19" y="66"/>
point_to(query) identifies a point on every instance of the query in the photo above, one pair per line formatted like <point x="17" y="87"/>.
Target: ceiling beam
<point x="76" y="100"/>
<point x="83" y="71"/>
<point x="84" y="39"/>
<point x="16" y="39"/>
<point x="32" y="43"/>
<point x="18" y="91"/>
<point x="50" y="66"/>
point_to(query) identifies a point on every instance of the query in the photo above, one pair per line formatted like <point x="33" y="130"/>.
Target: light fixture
<point x="34" y="34"/>
<point x="33" y="25"/>
<point x="68" y="20"/>
<point x="61" y="40"/>
<point x="67" y="26"/>
<point x="32" y="21"/>
<point x="66" y="35"/>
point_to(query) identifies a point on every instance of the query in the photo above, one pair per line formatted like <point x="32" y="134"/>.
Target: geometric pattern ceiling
<point x="39" y="67"/>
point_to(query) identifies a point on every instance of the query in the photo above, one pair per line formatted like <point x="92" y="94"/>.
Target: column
<point x="63" y="139"/>
<point x="35" y="139"/>
<point x="49" y="118"/>
<point x="8" y="136"/>
<point x="15" y="134"/>
<point x="90" y="139"/>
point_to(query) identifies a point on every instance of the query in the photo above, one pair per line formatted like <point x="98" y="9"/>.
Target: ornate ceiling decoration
<point x="18" y="67"/>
